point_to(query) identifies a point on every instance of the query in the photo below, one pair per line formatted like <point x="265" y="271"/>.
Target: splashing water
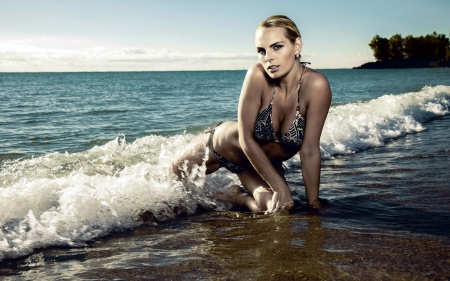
<point x="67" y="199"/>
<point x="361" y="125"/>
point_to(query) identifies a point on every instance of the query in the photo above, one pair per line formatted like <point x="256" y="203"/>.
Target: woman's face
<point x="275" y="52"/>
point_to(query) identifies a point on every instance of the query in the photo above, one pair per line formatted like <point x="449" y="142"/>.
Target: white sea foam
<point x="357" y="126"/>
<point x="70" y="198"/>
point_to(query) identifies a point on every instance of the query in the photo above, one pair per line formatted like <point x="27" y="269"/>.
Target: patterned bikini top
<point x="264" y="125"/>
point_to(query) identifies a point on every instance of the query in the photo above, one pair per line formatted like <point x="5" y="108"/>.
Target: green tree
<point x="447" y="49"/>
<point x="435" y="46"/>
<point x="396" y="47"/>
<point x="380" y="47"/>
<point x="429" y="46"/>
<point x="447" y="55"/>
<point x="411" y="47"/>
<point x="441" y="44"/>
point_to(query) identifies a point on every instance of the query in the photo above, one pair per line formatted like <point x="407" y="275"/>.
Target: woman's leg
<point x="259" y="189"/>
<point x="234" y="195"/>
<point x="194" y="156"/>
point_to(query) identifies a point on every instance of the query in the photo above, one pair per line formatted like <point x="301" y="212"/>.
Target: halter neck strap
<point x="300" y="84"/>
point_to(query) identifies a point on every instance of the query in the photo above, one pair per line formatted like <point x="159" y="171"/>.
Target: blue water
<point x="48" y="112"/>
<point x="84" y="155"/>
<point x="57" y="112"/>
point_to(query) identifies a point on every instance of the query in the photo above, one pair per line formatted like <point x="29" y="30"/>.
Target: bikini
<point x="264" y="131"/>
<point x="235" y="169"/>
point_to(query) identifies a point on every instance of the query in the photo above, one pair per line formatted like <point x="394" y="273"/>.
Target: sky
<point x="147" y="35"/>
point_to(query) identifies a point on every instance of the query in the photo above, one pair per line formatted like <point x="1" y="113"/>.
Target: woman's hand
<point x="281" y="201"/>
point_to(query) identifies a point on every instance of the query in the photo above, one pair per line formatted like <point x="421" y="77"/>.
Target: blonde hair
<point x="291" y="30"/>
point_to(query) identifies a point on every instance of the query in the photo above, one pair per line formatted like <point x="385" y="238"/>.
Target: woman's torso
<point x="226" y="142"/>
<point x="283" y="115"/>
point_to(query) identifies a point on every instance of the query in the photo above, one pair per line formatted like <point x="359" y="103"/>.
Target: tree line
<point x="433" y="45"/>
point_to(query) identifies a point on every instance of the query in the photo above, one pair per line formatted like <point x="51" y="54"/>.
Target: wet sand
<point x="241" y="246"/>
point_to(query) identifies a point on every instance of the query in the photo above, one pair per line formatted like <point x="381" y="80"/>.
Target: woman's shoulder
<point x="257" y="73"/>
<point x="256" y="81"/>
<point x="317" y="80"/>
<point x="317" y="85"/>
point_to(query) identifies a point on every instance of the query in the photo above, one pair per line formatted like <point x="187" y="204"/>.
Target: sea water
<point x="87" y="155"/>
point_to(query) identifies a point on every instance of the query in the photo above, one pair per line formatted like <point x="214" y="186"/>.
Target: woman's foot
<point x="235" y="195"/>
<point x="232" y="194"/>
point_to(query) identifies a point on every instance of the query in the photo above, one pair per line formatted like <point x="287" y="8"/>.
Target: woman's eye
<point x="277" y="47"/>
<point x="261" y="52"/>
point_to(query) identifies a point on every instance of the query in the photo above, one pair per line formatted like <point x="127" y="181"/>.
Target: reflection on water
<point x="279" y="247"/>
<point x="386" y="217"/>
<point x="242" y="246"/>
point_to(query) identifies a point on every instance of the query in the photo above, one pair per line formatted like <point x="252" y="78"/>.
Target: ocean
<point x="86" y="190"/>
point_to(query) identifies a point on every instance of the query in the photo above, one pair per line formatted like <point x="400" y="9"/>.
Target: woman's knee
<point x="183" y="165"/>
<point x="263" y="196"/>
<point x="180" y="168"/>
<point x="194" y="157"/>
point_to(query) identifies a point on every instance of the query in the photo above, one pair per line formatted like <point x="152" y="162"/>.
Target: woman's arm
<point x="318" y="102"/>
<point x="255" y="84"/>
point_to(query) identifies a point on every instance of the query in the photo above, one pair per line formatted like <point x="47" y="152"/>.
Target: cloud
<point x="134" y="51"/>
<point x="39" y="55"/>
<point x="68" y="54"/>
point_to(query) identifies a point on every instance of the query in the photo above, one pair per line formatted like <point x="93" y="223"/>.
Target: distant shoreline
<point x="405" y="63"/>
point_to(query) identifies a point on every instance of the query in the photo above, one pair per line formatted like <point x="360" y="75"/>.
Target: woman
<point x="282" y="110"/>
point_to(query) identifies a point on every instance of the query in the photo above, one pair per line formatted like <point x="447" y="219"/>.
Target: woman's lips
<point x="273" y="68"/>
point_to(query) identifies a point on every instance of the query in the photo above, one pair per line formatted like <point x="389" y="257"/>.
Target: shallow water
<point x="85" y="191"/>
<point x="386" y="217"/>
<point x="222" y="246"/>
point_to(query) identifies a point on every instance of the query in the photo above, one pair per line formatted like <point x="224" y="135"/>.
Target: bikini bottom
<point x="235" y="169"/>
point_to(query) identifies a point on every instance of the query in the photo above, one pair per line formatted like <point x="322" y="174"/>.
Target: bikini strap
<point x="300" y="84"/>
<point x="211" y="136"/>
<point x="273" y="94"/>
